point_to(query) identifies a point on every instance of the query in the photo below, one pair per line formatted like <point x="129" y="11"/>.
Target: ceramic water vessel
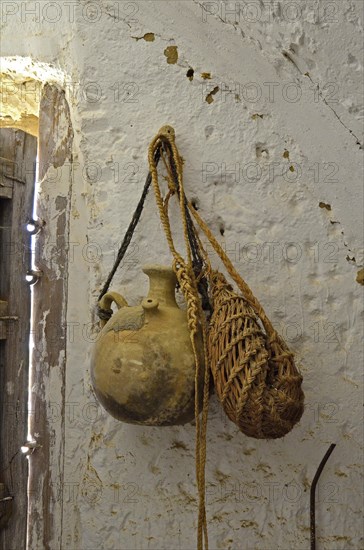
<point x="143" y="367"/>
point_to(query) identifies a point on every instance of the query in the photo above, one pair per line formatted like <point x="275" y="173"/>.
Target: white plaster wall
<point x="129" y="487"/>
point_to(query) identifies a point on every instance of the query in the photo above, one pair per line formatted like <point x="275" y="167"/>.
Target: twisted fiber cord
<point x="184" y="279"/>
<point x="197" y="251"/>
<point x="248" y="294"/>
<point x="106" y="314"/>
<point x="201" y="430"/>
<point x="199" y="256"/>
<point x="198" y="263"/>
<point x="203" y="275"/>
<point x="188" y="284"/>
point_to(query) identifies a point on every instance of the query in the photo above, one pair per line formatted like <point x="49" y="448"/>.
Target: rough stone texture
<point x="21" y="88"/>
<point x="259" y="170"/>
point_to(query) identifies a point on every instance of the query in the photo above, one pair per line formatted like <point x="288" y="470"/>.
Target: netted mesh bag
<point x="254" y="372"/>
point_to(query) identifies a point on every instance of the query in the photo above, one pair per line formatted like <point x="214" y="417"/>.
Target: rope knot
<point x="103" y="314"/>
<point x="171" y="186"/>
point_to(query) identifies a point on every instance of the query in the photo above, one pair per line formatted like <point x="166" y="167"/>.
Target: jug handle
<point x="108" y="299"/>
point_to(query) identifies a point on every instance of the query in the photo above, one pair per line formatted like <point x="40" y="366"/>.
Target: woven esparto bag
<point x="255" y="375"/>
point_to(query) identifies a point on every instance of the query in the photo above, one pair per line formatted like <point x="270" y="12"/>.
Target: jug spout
<point x="162" y="284"/>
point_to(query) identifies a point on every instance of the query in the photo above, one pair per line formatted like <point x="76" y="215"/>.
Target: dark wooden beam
<point x="17" y="175"/>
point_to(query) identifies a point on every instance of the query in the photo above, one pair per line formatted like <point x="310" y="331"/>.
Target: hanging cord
<point x="105" y="314"/>
<point x="202" y="269"/>
<point x="195" y="317"/>
<point x="191" y="277"/>
<point x="242" y="285"/>
<point x="313" y="495"/>
<point x="199" y="263"/>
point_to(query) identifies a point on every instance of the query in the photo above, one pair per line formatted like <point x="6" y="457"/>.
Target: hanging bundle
<point x="191" y="279"/>
<point x="255" y="375"/>
<point x="253" y="370"/>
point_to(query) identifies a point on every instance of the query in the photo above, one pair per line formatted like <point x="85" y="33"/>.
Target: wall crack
<point x="291" y="58"/>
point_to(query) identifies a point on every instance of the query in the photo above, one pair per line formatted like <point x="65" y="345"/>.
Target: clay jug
<point x="143" y="367"/>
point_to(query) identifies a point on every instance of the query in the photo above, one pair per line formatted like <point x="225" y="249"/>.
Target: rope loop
<point x="190" y="279"/>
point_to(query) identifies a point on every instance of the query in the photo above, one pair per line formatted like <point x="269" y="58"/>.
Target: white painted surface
<point x="128" y="487"/>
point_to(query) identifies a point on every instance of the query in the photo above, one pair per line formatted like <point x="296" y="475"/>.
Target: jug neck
<point x="162" y="284"/>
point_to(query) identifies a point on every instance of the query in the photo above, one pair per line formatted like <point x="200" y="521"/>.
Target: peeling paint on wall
<point x="360" y="277"/>
<point x="148" y="37"/>
<point x="171" y="53"/>
<point x="210" y="96"/>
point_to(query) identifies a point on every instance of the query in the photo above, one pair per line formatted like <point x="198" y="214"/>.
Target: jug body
<point x="143" y="366"/>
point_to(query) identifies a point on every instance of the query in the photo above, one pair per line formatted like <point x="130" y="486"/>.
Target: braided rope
<point x="254" y="372"/>
<point x="105" y="314"/>
<point x="195" y="318"/>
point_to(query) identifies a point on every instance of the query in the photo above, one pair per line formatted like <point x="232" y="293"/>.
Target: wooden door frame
<point x="45" y="484"/>
<point x="19" y="153"/>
